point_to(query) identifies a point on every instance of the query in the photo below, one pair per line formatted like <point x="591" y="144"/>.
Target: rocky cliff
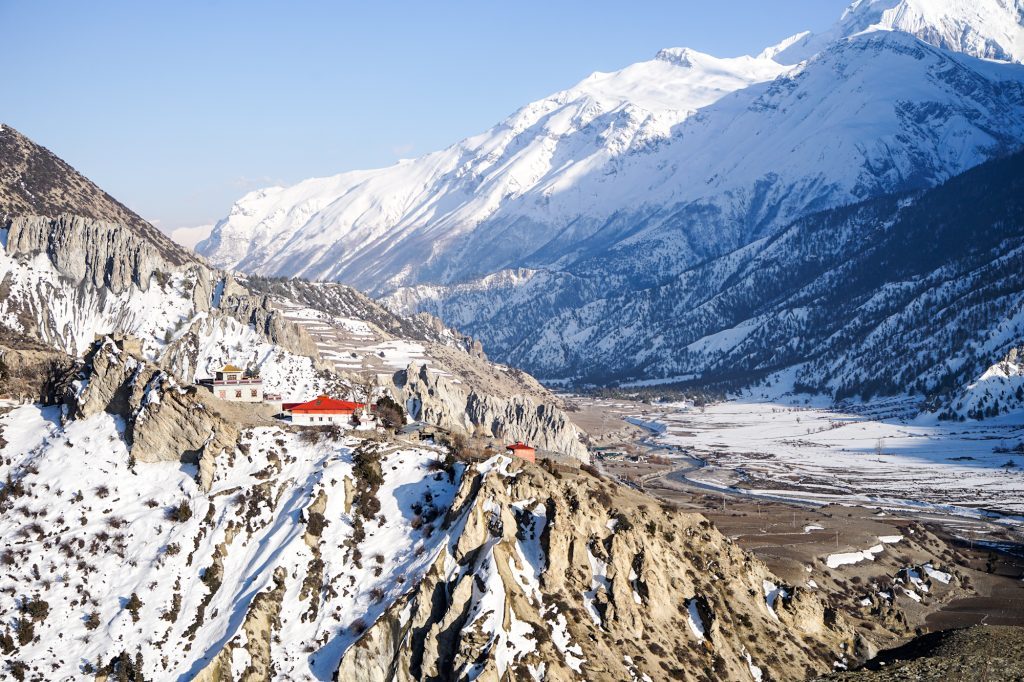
<point x="566" y="578"/>
<point x="258" y="312"/>
<point x="457" y="405"/>
<point x="97" y="253"/>
<point x="163" y="422"/>
<point x="76" y="265"/>
<point x="35" y="182"/>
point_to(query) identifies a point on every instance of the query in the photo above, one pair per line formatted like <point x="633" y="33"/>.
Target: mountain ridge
<point x="54" y="188"/>
<point x="588" y="197"/>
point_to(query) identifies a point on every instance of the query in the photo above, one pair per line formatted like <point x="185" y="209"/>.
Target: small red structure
<point x="522" y="451"/>
<point x="322" y="410"/>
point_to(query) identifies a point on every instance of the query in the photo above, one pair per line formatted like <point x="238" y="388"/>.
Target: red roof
<point x="326" y="405"/>
<point x="519" y="446"/>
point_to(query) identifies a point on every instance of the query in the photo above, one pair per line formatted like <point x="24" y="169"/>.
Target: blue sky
<point x="178" y="108"/>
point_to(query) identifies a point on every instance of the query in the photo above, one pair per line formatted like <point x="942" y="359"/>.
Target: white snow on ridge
<point x="980" y="28"/>
<point x="628" y="142"/>
<point x="190" y="236"/>
<point x="121" y="517"/>
<point x="534" y="159"/>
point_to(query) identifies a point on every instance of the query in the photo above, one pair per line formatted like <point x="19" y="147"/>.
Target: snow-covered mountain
<point x="151" y="529"/>
<point x="549" y="172"/>
<point x="918" y="291"/>
<point x="628" y="180"/>
<point x="991" y="29"/>
<point x="190" y="236"/>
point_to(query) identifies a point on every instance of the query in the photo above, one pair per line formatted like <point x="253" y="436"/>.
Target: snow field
<point x="119" y="525"/>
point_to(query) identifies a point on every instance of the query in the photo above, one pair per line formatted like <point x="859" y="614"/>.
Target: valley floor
<point x="816" y="493"/>
<point x="867" y="457"/>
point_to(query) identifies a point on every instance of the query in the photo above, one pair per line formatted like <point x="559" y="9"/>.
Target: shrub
<point x="18" y="669"/>
<point x="37" y="608"/>
<point x="315" y="523"/>
<point x="133" y="606"/>
<point x="180" y="513"/>
<point x="25" y="630"/>
<point x="390" y="413"/>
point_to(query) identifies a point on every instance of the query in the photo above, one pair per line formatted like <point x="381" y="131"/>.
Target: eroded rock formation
<point x="454" y="404"/>
<point x="581" y="579"/>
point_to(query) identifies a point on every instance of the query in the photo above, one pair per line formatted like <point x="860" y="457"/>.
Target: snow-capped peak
<point x="991" y="29"/>
<point x="774" y="50"/>
<point x="539" y="151"/>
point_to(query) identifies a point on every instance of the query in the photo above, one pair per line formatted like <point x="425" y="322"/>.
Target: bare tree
<point x="366" y="389"/>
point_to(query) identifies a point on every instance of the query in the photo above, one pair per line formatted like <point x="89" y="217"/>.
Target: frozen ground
<point x="872" y="457"/>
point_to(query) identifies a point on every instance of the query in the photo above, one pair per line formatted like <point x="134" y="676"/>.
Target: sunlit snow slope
<point x="628" y="180"/>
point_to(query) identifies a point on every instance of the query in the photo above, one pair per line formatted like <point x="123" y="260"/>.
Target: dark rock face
<point x="983" y="652"/>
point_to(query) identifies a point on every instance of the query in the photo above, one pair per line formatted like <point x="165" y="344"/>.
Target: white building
<point x="230" y="383"/>
<point x="323" y="411"/>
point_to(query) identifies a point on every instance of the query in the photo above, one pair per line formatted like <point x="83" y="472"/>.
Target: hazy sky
<point x="178" y="108"/>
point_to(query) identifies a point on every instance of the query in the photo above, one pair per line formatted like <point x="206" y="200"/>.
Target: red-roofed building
<point x="522" y="451"/>
<point x="323" y="410"/>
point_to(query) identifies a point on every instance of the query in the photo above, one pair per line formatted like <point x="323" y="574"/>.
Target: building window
<point x="330" y="419"/>
<point x="253" y="393"/>
<point x="221" y="394"/>
<point x="238" y="394"/>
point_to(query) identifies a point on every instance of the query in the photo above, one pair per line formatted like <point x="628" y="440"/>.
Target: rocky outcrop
<point x="35" y="182"/>
<point x="582" y="579"/>
<point x="163" y="421"/>
<point x="35" y="374"/>
<point x="89" y="251"/>
<point x="259" y="312"/>
<point x="261" y="622"/>
<point x="452" y="404"/>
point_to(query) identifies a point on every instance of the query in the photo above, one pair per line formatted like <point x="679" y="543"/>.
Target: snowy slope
<point x="982" y="28"/>
<point x="531" y="166"/>
<point x="578" y="173"/>
<point x="109" y="534"/>
<point x="338" y="557"/>
<point x="566" y="215"/>
<point x="999" y="390"/>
